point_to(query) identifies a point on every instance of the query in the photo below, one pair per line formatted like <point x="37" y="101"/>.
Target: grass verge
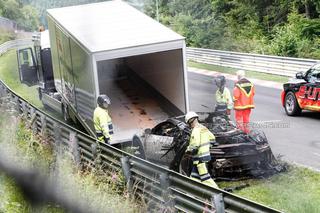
<point x="229" y="70"/>
<point x="10" y="75"/>
<point x="295" y="191"/>
<point x="22" y="150"/>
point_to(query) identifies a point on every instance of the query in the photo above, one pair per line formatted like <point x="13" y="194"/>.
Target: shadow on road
<point x="313" y="115"/>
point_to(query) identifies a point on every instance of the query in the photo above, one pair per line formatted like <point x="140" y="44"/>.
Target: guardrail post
<point x="24" y="110"/>
<point x="17" y="104"/>
<point x="5" y="90"/>
<point x="57" y="138"/>
<point x="95" y="154"/>
<point x="165" y="186"/>
<point x="33" y="121"/>
<point x="218" y="203"/>
<point x="125" y="164"/>
<point x="43" y="125"/>
<point x="74" y="148"/>
<point x="11" y="104"/>
<point x="2" y="91"/>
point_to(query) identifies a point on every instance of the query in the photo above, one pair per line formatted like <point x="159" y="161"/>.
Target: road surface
<point x="297" y="139"/>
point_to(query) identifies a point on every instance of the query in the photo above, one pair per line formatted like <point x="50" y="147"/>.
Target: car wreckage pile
<point x="235" y="154"/>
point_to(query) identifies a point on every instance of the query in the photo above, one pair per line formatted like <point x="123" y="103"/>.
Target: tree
<point x="11" y="10"/>
<point x="29" y="18"/>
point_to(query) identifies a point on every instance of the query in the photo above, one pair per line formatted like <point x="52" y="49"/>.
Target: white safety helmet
<point x="241" y="74"/>
<point x="190" y="115"/>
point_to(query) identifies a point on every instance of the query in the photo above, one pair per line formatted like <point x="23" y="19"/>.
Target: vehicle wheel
<point x="291" y="105"/>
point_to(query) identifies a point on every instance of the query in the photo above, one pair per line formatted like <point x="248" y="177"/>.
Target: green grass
<point x="11" y="199"/>
<point x="100" y="192"/>
<point x="295" y="191"/>
<point x="10" y="75"/>
<point x="249" y="73"/>
<point x="18" y="147"/>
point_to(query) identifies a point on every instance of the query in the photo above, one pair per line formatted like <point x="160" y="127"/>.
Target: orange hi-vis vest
<point x="243" y="93"/>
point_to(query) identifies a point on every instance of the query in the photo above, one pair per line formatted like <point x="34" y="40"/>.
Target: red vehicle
<point x="302" y="92"/>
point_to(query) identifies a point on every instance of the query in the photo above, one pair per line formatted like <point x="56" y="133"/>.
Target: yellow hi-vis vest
<point x="224" y="98"/>
<point x="199" y="144"/>
<point x="102" y="123"/>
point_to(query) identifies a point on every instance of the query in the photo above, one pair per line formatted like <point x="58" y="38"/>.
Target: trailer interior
<point x="144" y="90"/>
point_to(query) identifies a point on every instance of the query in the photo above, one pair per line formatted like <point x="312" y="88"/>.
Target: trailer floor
<point x="133" y="109"/>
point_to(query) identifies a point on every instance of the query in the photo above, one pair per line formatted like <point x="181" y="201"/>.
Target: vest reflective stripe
<point x="205" y="177"/>
<point x="245" y="107"/>
<point x="195" y="175"/>
<point x="242" y="88"/>
<point x="200" y="144"/>
<point x="200" y="173"/>
<point x="224" y="98"/>
<point x="205" y="144"/>
<point x="243" y="93"/>
<point x="109" y="126"/>
<point x="102" y="123"/>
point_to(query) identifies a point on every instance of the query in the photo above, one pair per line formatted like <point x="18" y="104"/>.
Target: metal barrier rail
<point x="284" y="66"/>
<point x="14" y="44"/>
<point x="161" y="187"/>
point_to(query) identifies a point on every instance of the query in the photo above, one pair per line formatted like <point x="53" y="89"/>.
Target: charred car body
<point x="235" y="154"/>
<point x="302" y="92"/>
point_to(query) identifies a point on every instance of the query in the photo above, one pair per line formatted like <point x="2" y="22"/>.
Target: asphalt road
<point x="296" y="139"/>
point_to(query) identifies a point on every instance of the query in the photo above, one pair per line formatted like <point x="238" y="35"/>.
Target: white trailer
<point x="112" y="48"/>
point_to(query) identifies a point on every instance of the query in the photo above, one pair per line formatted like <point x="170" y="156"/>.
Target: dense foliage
<point x="25" y="15"/>
<point x="43" y="5"/>
<point x="278" y="27"/>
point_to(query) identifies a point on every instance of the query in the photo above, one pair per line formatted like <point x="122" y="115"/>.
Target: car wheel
<point x="291" y="105"/>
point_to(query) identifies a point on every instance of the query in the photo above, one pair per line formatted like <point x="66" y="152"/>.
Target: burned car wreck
<point x="235" y="154"/>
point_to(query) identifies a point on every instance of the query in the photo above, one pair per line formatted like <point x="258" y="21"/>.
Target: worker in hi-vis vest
<point x="243" y="94"/>
<point x="102" y="120"/>
<point x="224" y="102"/>
<point x="199" y="148"/>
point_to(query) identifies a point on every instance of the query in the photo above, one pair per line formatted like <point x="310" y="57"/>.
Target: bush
<point x="298" y="38"/>
<point x="284" y="43"/>
<point x="6" y="36"/>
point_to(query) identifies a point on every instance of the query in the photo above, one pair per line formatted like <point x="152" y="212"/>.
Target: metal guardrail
<point x="277" y="65"/>
<point x="161" y="187"/>
<point x="284" y="66"/>
<point x="14" y="44"/>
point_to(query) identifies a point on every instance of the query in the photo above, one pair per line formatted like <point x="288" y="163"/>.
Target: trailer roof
<point x="111" y="25"/>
